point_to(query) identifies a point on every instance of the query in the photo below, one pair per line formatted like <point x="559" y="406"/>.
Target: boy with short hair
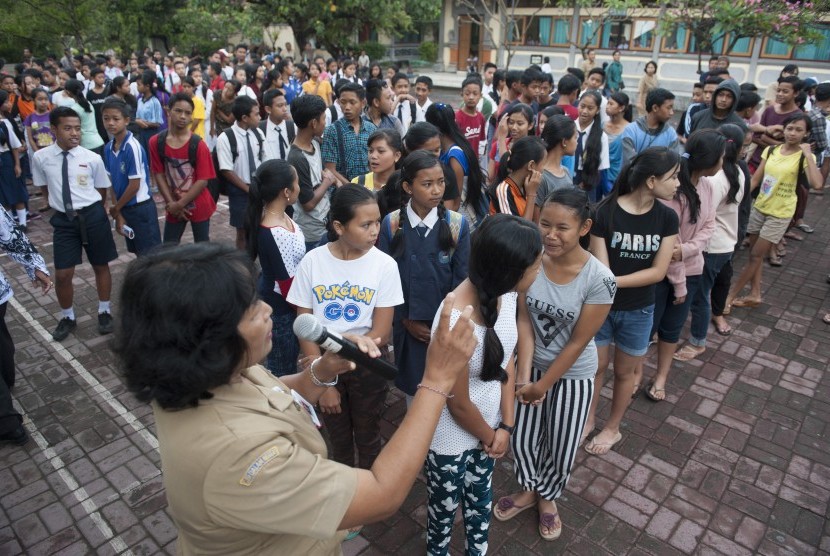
<point x="423" y="87"/>
<point x="345" y="150"/>
<point x="595" y="82"/>
<point x="239" y="171"/>
<point x="531" y="82"/>
<point x="129" y="171"/>
<point x="78" y="183"/>
<point x="470" y="121"/>
<point x="313" y="203"/>
<point x="379" y="102"/>
<point x="545" y="90"/>
<point x="568" y="89"/>
<point x="182" y="170"/>
<point x="404" y="106"/>
<point x="278" y="130"/>
<point x="96" y="97"/>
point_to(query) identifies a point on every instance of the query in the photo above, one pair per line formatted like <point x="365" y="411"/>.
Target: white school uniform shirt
<point x="430" y="220"/>
<point x="13" y="142"/>
<point x="403" y="112"/>
<point x="247" y="91"/>
<point x="272" y="139"/>
<point x="240" y="166"/>
<point x="337" y="109"/>
<point x="87" y="174"/>
<point x="113" y="72"/>
<point x="421" y="111"/>
<point x="604" y="158"/>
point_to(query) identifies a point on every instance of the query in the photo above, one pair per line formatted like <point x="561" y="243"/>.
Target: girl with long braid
<point x="476" y="424"/>
<point x="592" y="159"/>
<point x="431" y="246"/>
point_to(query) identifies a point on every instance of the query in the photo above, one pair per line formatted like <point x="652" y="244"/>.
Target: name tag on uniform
<point x="308" y="407"/>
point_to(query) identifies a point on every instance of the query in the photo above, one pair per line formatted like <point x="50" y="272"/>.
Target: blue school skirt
<point x="12" y="189"/>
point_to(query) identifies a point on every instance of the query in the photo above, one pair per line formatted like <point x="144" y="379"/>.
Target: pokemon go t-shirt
<point x="344" y="294"/>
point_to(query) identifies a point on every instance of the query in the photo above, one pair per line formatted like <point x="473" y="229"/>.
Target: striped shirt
<point x="128" y="163"/>
<point x="508" y="199"/>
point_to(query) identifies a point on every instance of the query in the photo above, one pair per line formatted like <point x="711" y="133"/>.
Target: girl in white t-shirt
<point x="351" y="287"/>
<point x="475" y="426"/>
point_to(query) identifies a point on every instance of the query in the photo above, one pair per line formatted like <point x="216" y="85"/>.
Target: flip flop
<point x="826" y="319"/>
<point x="775" y="260"/>
<point x="743" y="302"/>
<point x="806" y="228"/>
<point x="507" y="509"/>
<point x="721" y="331"/>
<point x="597" y="449"/>
<point x="687" y="353"/>
<point x="793" y="235"/>
<point x="552" y="524"/>
<point x="652" y="396"/>
<point x="353" y="533"/>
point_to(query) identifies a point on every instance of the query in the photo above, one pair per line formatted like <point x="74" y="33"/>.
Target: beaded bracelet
<point x="317" y="381"/>
<point x="436" y="390"/>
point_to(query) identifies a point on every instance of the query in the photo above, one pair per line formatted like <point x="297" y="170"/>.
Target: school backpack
<point x="454" y="219"/>
<point x="289" y="130"/>
<point x="220" y="185"/>
<point x="333" y="113"/>
<point x="192" y="148"/>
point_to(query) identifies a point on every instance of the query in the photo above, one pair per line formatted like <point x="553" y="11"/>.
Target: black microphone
<point x="308" y="328"/>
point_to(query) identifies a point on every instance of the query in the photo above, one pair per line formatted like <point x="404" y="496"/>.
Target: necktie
<point x="67" y="195"/>
<point x="283" y="144"/>
<point x="578" y="153"/>
<point x="400" y="112"/>
<point x="251" y="163"/>
<point x="421" y="229"/>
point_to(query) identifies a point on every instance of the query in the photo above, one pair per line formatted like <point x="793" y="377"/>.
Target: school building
<point x="554" y="32"/>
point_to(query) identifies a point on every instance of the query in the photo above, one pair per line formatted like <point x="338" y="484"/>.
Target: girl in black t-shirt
<point x="634" y="235"/>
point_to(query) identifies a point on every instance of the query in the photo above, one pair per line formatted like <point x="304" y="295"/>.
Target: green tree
<point x="712" y="22"/>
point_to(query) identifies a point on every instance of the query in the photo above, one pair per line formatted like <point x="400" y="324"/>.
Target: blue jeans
<point x="282" y="360"/>
<point x="629" y="330"/>
<point x="668" y="317"/>
<point x="701" y="306"/>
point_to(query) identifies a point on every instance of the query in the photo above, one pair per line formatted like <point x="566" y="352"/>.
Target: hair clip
<point x="440" y="105"/>
<point x="687" y="156"/>
<point x="730" y="141"/>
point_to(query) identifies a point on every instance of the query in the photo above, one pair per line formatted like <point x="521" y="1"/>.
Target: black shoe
<point x="18" y="436"/>
<point x="104" y="323"/>
<point x="23" y="229"/>
<point x="65" y="326"/>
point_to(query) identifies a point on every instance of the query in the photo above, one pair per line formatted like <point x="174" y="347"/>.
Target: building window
<point x="677" y="40"/>
<point x="561" y="35"/>
<point x="589" y="32"/>
<point x="776" y="49"/>
<point x="615" y="34"/>
<point x="514" y="30"/>
<point x="819" y="50"/>
<point x="537" y="31"/>
<point x="643" y="36"/>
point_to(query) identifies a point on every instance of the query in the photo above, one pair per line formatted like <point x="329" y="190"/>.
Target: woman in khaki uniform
<point x="244" y="466"/>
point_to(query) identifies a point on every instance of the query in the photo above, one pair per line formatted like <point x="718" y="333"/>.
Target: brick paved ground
<point x="735" y="461"/>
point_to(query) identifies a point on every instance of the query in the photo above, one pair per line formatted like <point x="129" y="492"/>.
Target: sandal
<point x="552" y="523"/>
<point x="781" y="251"/>
<point x="744" y="302"/>
<point x="507" y="509"/>
<point x="722" y="331"/>
<point x="651" y="392"/>
<point x="597" y="449"/>
<point x="793" y="235"/>
<point x="775" y="260"/>
<point x="688" y="352"/>
<point x="826" y="318"/>
<point x="806" y="228"/>
<point x="353" y="533"/>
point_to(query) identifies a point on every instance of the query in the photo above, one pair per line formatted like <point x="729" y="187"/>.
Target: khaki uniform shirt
<point x="246" y="472"/>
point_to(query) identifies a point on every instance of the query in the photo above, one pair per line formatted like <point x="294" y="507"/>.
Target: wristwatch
<point x="507" y="428"/>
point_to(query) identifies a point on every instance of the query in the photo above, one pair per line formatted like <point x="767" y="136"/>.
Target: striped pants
<point x="547" y="436"/>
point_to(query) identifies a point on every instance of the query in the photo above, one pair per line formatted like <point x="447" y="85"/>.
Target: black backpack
<point x="192" y="148"/>
<point x="220" y="185"/>
<point x="289" y="130"/>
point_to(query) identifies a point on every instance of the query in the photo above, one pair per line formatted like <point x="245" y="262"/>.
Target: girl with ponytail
<point x="457" y="153"/>
<point x="592" y="158"/>
<point x="90" y="138"/>
<point x="695" y="210"/>
<point x="431" y="246"/>
<point x="618" y="111"/>
<point x="475" y="426"/>
<point x="519" y="177"/>
<point x="559" y="136"/>
<point x="278" y="242"/>
<point x="634" y="235"/>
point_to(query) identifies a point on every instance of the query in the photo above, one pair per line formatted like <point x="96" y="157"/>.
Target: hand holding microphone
<point x="308" y="328"/>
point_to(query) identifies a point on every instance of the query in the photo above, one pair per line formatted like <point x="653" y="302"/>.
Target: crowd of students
<point x="566" y="224"/>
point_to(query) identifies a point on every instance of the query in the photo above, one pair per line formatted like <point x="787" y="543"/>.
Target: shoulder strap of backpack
<point x="394" y="222"/>
<point x="456" y="221"/>
<point x="192" y="149"/>
<point x="261" y="140"/>
<point x="291" y="131"/>
<point x="263" y="126"/>
<point x="333" y="111"/>
<point x="232" y="143"/>
<point x="411" y="113"/>
<point x="361" y="180"/>
<point x="161" y="140"/>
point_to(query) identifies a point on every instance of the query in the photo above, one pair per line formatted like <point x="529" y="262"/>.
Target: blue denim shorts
<point x="629" y="330"/>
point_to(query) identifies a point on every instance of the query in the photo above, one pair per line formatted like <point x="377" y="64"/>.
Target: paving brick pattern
<point x="735" y="461"/>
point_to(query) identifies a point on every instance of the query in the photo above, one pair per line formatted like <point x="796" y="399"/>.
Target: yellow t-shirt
<point x="777" y="194"/>
<point x="369" y="183"/>
<point x="322" y="89"/>
<point x="199" y="115"/>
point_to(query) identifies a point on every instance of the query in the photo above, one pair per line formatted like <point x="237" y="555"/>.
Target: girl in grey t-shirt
<point x="564" y="308"/>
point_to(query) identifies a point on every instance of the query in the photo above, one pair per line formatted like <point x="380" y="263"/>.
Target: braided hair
<point x="412" y="164"/>
<point x="502" y="249"/>
<point x="732" y="151"/>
